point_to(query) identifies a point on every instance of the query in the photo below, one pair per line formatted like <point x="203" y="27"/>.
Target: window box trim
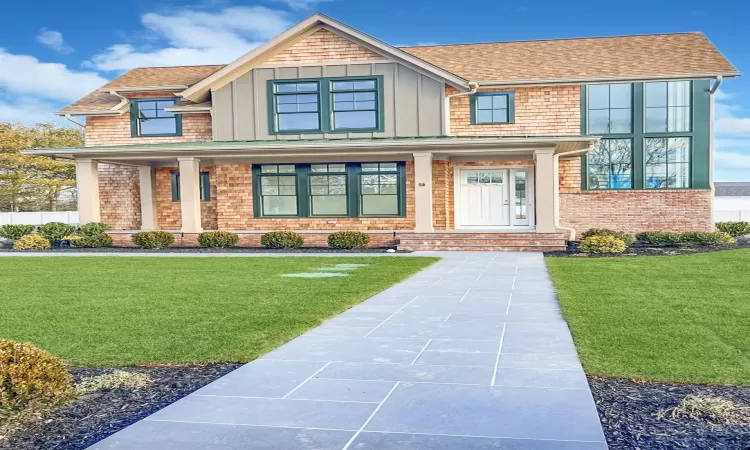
<point x="325" y="105"/>
<point x="134" y="118"/>
<point x="511" y="107"/>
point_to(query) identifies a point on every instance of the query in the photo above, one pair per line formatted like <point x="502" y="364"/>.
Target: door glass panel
<point x="521" y="208"/>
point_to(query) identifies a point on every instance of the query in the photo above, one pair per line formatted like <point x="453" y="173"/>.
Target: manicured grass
<point x="111" y="311"/>
<point x="669" y="318"/>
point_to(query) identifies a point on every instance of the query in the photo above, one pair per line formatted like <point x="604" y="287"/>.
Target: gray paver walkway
<point x="469" y="354"/>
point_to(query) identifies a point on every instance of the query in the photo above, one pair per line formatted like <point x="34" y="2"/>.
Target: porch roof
<point x="452" y="145"/>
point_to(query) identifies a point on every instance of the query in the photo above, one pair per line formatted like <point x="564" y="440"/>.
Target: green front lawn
<point x="112" y="311"/>
<point x="669" y="318"/>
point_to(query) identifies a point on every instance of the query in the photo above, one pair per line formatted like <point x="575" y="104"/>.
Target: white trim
<point x="587" y="80"/>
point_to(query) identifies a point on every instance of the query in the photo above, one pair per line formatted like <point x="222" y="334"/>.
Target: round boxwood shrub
<point x="31" y="242"/>
<point x="93" y="229"/>
<point x="281" y="239"/>
<point x="659" y="237"/>
<point x="735" y="229"/>
<point x="625" y="237"/>
<point x="31" y="376"/>
<point x="98" y="241"/>
<point x="348" y="239"/>
<point x="14" y="232"/>
<point x="153" y="239"/>
<point x="717" y="238"/>
<point x="218" y="239"/>
<point x="56" y="231"/>
<point x="602" y="244"/>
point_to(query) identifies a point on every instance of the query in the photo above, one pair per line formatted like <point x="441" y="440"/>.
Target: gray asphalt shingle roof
<point x="733" y="189"/>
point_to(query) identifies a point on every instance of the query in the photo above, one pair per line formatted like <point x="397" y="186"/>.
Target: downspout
<point x="69" y="117"/>
<point x="123" y="101"/>
<point x="711" y="150"/>
<point x="447" y="117"/>
<point x="556" y="189"/>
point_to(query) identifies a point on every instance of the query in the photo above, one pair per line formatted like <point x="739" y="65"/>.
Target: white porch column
<point x="190" y="195"/>
<point x="87" y="184"/>
<point x="423" y="192"/>
<point x="146" y="177"/>
<point x="544" y="184"/>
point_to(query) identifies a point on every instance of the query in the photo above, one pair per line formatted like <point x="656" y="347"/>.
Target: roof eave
<point x="654" y="77"/>
<point x="175" y="88"/>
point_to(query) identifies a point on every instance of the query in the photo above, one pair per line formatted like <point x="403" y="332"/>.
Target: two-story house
<point x="508" y="144"/>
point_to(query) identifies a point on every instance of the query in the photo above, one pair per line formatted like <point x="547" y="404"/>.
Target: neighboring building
<point x="732" y="201"/>
<point x="325" y="128"/>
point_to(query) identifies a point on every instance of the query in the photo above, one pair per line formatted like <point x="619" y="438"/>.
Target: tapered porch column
<point x="146" y="177"/>
<point x="423" y="192"/>
<point x="190" y="195"/>
<point x="544" y="183"/>
<point x="87" y="184"/>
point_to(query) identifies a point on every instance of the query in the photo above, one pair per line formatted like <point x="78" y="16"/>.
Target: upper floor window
<point x="205" y="186"/>
<point x="326" y="105"/>
<point x="150" y="118"/>
<point x="610" y="109"/>
<point x="667" y="106"/>
<point x="492" y="107"/>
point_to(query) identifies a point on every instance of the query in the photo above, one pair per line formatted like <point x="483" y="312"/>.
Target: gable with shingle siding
<point x="323" y="46"/>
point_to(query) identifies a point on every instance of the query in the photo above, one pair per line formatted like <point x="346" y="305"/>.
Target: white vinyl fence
<point x="39" y="218"/>
<point x="732" y="209"/>
<point x="738" y="215"/>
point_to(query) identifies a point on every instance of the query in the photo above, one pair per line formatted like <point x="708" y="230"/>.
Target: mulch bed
<point x="203" y="250"/>
<point x="628" y="412"/>
<point x="642" y="249"/>
<point x="92" y="417"/>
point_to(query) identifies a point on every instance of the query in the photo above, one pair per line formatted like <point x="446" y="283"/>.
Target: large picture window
<point x="667" y="106"/>
<point x="150" y="118"/>
<point x="329" y="190"/>
<point x="667" y="163"/>
<point x="610" y="164"/>
<point x="610" y="108"/>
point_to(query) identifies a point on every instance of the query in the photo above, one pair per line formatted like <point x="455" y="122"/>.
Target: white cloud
<point x="29" y="110"/>
<point x="196" y="37"/>
<point x="733" y="160"/>
<point x="301" y="4"/>
<point x="25" y="74"/>
<point x="54" y="40"/>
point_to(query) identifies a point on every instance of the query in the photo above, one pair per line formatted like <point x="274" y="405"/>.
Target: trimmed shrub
<point x="153" y="239"/>
<point x="32" y="242"/>
<point x="735" y="229"/>
<point x="625" y="237"/>
<point x="93" y="229"/>
<point x="602" y="244"/>
<point x="31" y="376"/>
<point x="16" y="231"/>
<point x="659" y="237"/>
<point x="348" y="239"/>
<point x="218" y="239"/>
<point x="56" y="231"/>
<point x="281" y="239"/>
<point x="716" y="238"/>
<point x="98" y="241"/>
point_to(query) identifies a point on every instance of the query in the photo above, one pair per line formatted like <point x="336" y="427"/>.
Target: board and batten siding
<point x="413" y="103"/>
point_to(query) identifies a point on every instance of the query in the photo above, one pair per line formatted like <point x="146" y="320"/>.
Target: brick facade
<point x="320" y="46"/>
<point x="168" y="212"/>
<point x="539" y="111"/>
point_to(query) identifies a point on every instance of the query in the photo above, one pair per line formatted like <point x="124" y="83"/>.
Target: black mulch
<point x="92" y="417"/>
<point x="642" y="249"/>
<point x="204" y="250"/>
<point x="628" y="413"/>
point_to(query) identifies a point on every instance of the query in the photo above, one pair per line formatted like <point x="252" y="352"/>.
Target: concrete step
<point x="468" y="235"/>
<point x="482" y="247"/>
<point x="481" y="241"/>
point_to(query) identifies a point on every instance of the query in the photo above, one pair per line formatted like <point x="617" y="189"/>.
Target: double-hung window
<point x="205" y="186"/>
<point x="492" y="107"/>
<point x="379" y="188"/>
<point x="667" y="163"/>
<point x="150" y="118"/>
<point x="278" y="190"/>
<point x="326" y="105"/>
<point x="328" y="187"/>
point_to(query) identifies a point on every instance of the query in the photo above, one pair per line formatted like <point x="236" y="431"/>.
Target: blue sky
<point x="53" y="52"/>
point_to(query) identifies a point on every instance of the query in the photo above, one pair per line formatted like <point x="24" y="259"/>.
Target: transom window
<point x="667" y="163"/>
<point x="326" y="105"/>
<point x="488" y="108"/>
<point x="610" y="108"/>
<point x="610" y="164"/>
<point x="205" y="186"/>
<point x="150" y="118"/>
<point x="329" y="190"/>
<point x="667" y="106"/>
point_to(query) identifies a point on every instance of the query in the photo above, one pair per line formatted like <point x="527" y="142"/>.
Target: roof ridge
<point x="580" y="38"/>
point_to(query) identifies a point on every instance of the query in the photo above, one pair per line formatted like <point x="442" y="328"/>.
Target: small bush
<point x="93" y="229"/>
<point x="717" y="238"/>
<point x="628" y="239"/>
<point x="56" y="231"/>
<point x="659" y="237"/>
<point x="16" y="231"/>
<point x="30" y="376"/>
<point x="735" y="229"/>
<point x="281" y="239"/>
<point x="31" y="242"/>
<point x="218" y="239"/>
<point x="99" y="241"/>
<point x="602" y="244"/>
<point x="348" y="239"/>
<point x="153" y="239"/>
<point x="115" y="380"/>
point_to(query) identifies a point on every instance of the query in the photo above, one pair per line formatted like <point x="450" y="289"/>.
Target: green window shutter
<point x="701" y="158"/>
<point x="133" y="119"/>
<point x="205" y="182"/>
<point x="175" y="176"/>
<point x="473" y="103"/>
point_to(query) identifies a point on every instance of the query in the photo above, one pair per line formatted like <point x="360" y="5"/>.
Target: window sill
<point x="156" y="135"/>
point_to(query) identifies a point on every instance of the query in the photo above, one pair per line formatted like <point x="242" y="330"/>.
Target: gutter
<point x="447" y="114"/>
<point x="711" y="147"/>
<point x="556" y="187"/>
<point x="643" y="78"/>
<point x="69" y="117"/>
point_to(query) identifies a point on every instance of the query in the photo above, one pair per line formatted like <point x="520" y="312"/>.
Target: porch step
<point x="482" y="241"/>
<point x="451" y="235"/>
<point x="482" y="248"/>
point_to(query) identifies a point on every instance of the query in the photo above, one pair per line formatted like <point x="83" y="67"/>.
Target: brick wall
<point x="323" y="45"/>
<point x="168" y="212"/>
<point x="120" y="197"/>
<point x="539" y="111"/>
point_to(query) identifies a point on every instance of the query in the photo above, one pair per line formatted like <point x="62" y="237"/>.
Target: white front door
<point x="490" y="198"/>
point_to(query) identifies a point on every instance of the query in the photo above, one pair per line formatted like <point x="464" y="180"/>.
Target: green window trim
<point x="135" y="120"/>
<point x="325" y="104"/>
<point x="205" y="186"/>
<point x="700" y="164"/>
<point x="353" y="174"/>
<point x="511" y="107"/>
